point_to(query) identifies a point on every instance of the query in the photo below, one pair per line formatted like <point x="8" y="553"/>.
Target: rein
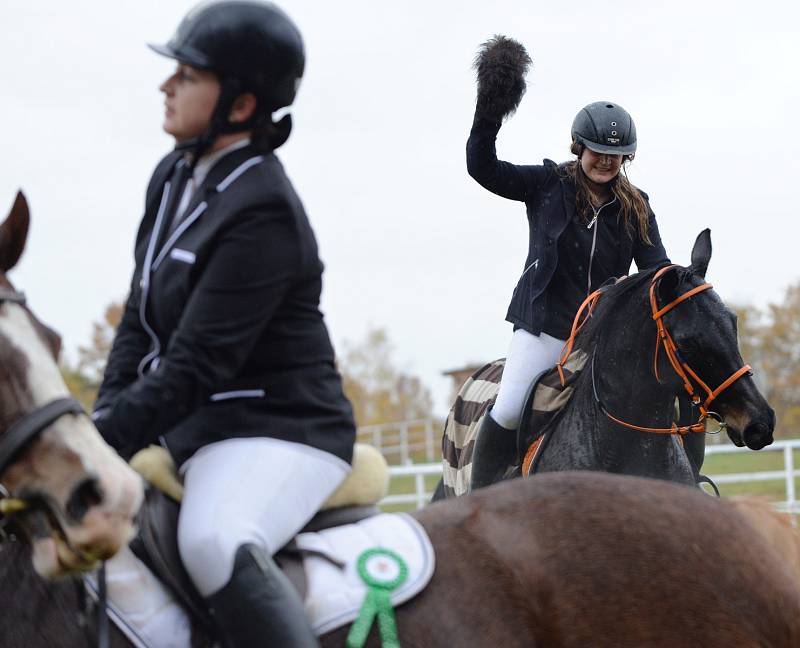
<point x="681" y="367"/>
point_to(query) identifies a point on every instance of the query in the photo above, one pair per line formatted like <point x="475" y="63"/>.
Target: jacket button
<point x="549" y="241"/>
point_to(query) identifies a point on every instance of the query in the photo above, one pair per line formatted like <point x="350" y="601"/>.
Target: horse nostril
<point x="86" y="495"/>
<point x="758" y="435"/>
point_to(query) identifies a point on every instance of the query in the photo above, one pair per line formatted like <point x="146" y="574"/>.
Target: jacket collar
<point x="220" y="177"/>
<point x="219" y="171"/>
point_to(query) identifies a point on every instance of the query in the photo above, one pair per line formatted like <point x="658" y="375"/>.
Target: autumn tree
<point x="770" y="342"/>
<point x="780" y="359"/>
<point x="81" y="387"/>
<point x="83" y="378"/>
<point x="92" y="358"/>
<point x="379" y="391"/>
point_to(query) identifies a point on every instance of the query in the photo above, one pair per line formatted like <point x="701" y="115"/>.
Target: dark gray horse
<point x="618" y="381"/>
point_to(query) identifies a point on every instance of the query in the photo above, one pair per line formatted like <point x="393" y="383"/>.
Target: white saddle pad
<point x="335" y="595"/>
<point x="145" y="611"/>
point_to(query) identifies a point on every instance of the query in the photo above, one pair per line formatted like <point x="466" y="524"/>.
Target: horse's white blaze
<point x="121" y="486"/>
<point x="43" y="378"/>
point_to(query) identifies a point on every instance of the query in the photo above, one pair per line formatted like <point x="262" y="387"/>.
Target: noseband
<point x="26" y="428"/>
<point x="663" y="340"/>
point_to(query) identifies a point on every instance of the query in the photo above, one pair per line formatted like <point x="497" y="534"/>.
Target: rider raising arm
<point x="587" y="223"/>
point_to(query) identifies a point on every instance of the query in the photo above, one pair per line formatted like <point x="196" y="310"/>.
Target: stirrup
<point x="705" y="479"/>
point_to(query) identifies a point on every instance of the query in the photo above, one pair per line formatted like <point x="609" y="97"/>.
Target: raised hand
<point x="500" y="65"/>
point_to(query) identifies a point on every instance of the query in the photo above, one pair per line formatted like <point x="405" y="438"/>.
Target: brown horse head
<point x="64" y="488"/>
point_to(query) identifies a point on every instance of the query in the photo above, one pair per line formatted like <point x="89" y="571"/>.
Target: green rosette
<point x="383" y="571"/>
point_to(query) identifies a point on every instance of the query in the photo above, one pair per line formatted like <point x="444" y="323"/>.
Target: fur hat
<point x="500" y="65"/>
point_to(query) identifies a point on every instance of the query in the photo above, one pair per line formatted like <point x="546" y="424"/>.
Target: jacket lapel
<point x="203" y="197"/>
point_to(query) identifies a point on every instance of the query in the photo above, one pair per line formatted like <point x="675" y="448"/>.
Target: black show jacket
<point x="549" y="197"/>
<point x="222" y="336"/>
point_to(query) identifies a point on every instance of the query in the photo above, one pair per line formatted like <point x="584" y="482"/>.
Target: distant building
<point x="459" y="376"/>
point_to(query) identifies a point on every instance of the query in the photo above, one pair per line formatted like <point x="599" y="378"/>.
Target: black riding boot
<point x="495" y="450"/>
<point x="259" y="608"/>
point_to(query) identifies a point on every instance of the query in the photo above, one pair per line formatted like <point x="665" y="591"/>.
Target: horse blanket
<point x="475" y="398"/>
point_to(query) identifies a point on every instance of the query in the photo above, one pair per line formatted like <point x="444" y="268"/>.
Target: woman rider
<point x="587" y="222"/>
<point x="222" y="354"/>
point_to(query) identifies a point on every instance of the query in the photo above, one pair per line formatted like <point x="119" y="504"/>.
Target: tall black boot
<point x="258" y="607"/>
<point x="495" y="450"/>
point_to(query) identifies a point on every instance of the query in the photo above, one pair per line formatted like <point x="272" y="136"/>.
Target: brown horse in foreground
<point x="775" y="527"/>
<point x="558" y="560"/>
<point x="591" y="559"/>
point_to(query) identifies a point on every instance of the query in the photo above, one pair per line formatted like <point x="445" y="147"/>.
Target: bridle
<point x="23" y="430"/>
<point x="663" y="340"/>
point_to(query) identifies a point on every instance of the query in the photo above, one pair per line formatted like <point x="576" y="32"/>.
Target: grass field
<point x="763" y="460"/>
<point x="718" y="464"/>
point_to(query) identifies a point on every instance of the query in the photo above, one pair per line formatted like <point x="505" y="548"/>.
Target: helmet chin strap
<point x="230" y="89"/>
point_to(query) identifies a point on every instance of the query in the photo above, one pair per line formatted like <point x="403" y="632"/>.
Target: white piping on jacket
<point x="244" y="166"/>
<point x="240" y="393"/>
<point x="150" y="266"/>
<point x="191" y="218"/>
<point x="592" y="223"/>
<point x="145" y="283"/>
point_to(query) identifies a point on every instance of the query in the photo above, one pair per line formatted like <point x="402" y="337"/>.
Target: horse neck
<point x="622" y="352"/>
<point x="55" y="602"/>
<point x="624" y="378"/>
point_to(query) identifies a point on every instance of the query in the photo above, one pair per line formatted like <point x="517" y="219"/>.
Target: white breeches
<point x="259" y="491"/>
<point x="528" y="355"/>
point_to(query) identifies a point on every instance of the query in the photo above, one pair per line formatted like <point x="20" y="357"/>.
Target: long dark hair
<point x="633" y="208"/>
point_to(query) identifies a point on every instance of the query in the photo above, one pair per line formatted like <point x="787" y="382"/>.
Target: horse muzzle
<point x="60" y="550"/>
<point x="759" y="435"/>
<point x="72" y="536"/>
<point x="754" y="432"/>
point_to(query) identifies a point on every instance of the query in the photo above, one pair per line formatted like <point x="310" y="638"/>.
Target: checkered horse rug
<point x="478" y="394"/>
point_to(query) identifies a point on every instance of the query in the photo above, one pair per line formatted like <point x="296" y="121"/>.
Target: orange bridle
<point x="663" y="339"/>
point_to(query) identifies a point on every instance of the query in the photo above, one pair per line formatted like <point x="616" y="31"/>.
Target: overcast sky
<point x="410" y="242"/>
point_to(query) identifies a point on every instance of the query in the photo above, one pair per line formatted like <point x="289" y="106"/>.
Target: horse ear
<point x="701" y="253"/>
<point x="668" y="286"/>
<point x="13" y="233"/>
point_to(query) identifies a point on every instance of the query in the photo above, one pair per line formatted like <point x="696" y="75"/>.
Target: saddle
<point x="546" y="399"/>
<point x="156" y="544"/>
<point x="544" y="402"/>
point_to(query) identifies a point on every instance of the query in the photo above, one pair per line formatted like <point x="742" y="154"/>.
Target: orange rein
<point x="663" y="338"/>
<point x="577" y="325"/>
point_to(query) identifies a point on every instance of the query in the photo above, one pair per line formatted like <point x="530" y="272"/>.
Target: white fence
<point x="421" y="495"/>
<point x="787" y="475"/>
<point x="399" y="442"/>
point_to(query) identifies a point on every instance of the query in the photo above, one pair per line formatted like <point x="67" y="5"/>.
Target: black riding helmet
<point x="604" y="127"/>
<point x="251" y="46"/>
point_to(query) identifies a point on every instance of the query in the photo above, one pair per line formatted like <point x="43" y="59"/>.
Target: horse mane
<point x="631" y="287"/>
